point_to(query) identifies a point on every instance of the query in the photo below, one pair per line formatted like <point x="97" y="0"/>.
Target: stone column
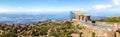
<point x="81" y="17"/>
<point x="86" y="18"/>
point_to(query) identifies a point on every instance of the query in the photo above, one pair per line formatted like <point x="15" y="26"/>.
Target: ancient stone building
<point x="79" y="15"/>
<point x="98" y="30"/>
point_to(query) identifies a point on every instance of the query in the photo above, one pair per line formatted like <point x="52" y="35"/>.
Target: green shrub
<point x="10" y="34"/>
<point x="93" y="34"/>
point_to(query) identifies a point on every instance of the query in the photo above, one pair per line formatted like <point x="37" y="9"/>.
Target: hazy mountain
<point x="98" y="17"/>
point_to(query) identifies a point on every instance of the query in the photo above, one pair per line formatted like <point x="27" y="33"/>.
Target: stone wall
<point x="101" y="32"/>
<point x="80" y="15"/>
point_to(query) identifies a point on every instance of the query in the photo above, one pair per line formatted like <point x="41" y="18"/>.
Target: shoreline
<point x="40" y="21"/>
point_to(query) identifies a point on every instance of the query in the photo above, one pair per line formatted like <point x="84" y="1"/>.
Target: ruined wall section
<point x="100" y="32"/>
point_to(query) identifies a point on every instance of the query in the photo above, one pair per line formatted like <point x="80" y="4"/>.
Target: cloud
<point x="116" y="2"/>
<point x="4" y="10"/>
<point x="99" y="7"/>
<point x="7" y="10"/>
<point x="115" y="6"/>
<point x="110" y="9"/>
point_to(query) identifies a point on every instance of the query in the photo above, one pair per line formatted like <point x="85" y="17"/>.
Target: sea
<point x="29" y="18"/>
<point x="33" y="17"/>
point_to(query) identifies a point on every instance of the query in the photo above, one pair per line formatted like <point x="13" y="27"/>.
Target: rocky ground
<point x="56" y="28"/>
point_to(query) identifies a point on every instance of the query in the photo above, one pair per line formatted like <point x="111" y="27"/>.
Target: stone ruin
<point x="112" y="31"/>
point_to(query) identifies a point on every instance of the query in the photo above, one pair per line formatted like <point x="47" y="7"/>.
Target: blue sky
<point x="90" y="6"/>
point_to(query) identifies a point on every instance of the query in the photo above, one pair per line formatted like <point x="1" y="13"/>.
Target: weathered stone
<point x="75" y="35"/>
<point x="81" y="15"/>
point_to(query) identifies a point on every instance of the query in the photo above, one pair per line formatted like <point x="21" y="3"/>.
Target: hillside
<point x="61" y="28"/>
<point x="111" y="19"/>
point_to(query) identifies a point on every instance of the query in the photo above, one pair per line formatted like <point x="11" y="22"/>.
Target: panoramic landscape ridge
<point x="29" y="18"/>
<point x="78" y="24"/>
<point x="59" y="18"/>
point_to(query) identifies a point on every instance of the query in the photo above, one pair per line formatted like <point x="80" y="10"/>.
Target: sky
<point x="95" y="7"/>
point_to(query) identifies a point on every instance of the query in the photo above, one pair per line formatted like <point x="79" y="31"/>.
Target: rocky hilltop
<point x="55" y="28"/>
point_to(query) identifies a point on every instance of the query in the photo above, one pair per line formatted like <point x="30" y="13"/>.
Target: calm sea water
<point x="31" y="18"/>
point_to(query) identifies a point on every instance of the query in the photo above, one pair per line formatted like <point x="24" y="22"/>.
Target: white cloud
<point x="4" y="10"/>
<point x="99" y="7"/>
<point x="116" y="2"/>
<point x="115" y="6"/>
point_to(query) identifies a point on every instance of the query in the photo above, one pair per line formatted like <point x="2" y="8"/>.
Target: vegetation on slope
<point x="112" y="19"/>
<point x="40" y="29"/>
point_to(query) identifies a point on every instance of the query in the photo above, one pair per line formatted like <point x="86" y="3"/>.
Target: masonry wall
<point x="100" y="32"/>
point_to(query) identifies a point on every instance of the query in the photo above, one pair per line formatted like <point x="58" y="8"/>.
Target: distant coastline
<point x="29" y="18"/>
<point x="17" y="18"/>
